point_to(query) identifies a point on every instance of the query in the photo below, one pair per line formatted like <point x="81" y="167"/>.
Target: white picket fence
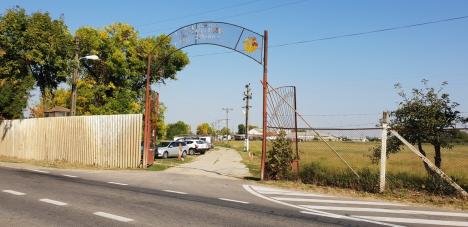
<point x="108" y="141"/>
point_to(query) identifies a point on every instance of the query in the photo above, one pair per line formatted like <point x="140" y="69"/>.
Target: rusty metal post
<point x="265" y="89"/>
<point x="295" y="129"/>
<point x="147" y="131"/>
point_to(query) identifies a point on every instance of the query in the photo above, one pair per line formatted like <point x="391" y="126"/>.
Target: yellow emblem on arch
<point x="250" y="44"/>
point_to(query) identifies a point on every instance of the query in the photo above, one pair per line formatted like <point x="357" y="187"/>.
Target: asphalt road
<point x="192" y="195"/>
<point x="30" y="198"/>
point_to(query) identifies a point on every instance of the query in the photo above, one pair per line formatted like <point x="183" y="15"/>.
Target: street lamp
<point x="75" y="78"/>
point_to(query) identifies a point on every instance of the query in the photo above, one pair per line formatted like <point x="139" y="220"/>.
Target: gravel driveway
<point x="220" y="162"/>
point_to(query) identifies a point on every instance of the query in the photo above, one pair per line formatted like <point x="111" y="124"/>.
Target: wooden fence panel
<point x="109" y="141"/>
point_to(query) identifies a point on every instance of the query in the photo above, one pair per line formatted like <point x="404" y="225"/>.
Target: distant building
<point x="57" y="111"/>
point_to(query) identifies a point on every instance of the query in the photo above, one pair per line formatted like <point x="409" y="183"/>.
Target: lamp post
<point x="75" y="78"/>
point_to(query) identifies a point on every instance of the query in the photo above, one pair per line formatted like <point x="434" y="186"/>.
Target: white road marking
<point x="55" y="202"/>
<point x="331" y="215"/>
<point x="314" y="212"/>
<point x="71" y="176"/>
<point x="177" y="192"/>
<point x="379" y="210"/>
<point x="39" y="171"/>
<point x="337" y="201"/>
<point x="14" y="192"/>
<point x="297" y="194"/>
<point x="233" y="200"/>
<point x="417" y="221"/>
<point x="117" y="183"/>
<point x="273" y="191"/>
<point x="113" y="216"/>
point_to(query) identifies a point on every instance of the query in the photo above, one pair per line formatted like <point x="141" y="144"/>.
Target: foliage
<point x="116" y="83"/>
<point x="279" y="158"/>
<point x="159" y="122"/>
<point x="14" y="96"/>
<point x="176" y="129"/>
<point x="424" y="117"/>
<point x="61" y="97"/>
<point x="224" y="131"/>
<point x="35" y="45"/>
<point x="241" y="128"/>
<point x="318" y="174"/>
<point x="204" y="129"/>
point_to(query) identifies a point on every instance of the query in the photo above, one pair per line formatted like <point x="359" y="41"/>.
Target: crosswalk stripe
<point x="336" y="201"/>
<point x="272" y="191"/>
<point x="380" y="210"/>
<point x="415" y="221"/>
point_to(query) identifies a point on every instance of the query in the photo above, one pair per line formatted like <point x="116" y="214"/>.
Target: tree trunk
<point x="438" y="156"/>
<point x="428" y="169"/>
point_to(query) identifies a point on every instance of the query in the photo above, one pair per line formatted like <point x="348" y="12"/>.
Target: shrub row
<point x="317" y="174"/>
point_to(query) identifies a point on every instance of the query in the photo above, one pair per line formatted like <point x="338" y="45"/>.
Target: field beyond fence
<point x="319" y="165"/>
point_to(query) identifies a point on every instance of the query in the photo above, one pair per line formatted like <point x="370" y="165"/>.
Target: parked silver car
<point x="171" y="149"/>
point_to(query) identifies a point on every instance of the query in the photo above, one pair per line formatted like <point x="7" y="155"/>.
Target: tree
<point x="159" y="121"/>
<point x="241" y="128"/>
<point x="178" y="128"/>
<point x="15" y="79"/>
<point x="48" y="49"/>
<point x="428" y="116"/>
<point x="279" y="158"/>
<point x="60" y="98"/>
<point x="14" y="96"/>
<point x="225" y="131"/>
<point x="204" y="129"/>
<point x="116" y="83"/>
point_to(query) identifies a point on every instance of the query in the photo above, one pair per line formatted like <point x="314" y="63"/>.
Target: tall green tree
<point x="15" y="79"/>
<point x="425" y="116"/>
<point x="177" y="129"/>
<point x="118" y="79"/>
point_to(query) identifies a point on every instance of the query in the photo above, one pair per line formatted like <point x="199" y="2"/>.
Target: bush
<point x="317" y="174"/>
<point x="279" y="159"/>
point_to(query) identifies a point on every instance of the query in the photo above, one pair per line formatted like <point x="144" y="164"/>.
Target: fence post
<point x="383" y="152"/>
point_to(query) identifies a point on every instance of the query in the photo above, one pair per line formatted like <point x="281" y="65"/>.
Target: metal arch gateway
<point x="231" y="36"/>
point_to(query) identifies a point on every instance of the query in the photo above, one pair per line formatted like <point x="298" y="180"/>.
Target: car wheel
<point x="191" y="151"/>
<point x="184" y="154"/>
<point x="165" y="154"/>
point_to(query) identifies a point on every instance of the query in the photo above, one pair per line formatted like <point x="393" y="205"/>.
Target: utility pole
<point x="247" y="97"/>
<point x="227" y="109"/>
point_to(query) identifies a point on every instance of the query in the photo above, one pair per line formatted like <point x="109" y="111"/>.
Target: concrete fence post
<point x="383" y="152"/>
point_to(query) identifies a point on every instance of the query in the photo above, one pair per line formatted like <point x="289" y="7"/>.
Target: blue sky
<point x="337" y="78"/>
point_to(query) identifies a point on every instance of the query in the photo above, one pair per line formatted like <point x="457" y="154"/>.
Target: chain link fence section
<point x="406" y="171"/>
<point x="321" y="166"/>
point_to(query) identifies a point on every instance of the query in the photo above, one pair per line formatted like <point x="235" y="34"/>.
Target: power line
<point x="240" y="14"/>
<point x="200" y="13"/>
<point x="348" y="35"/>
<point x="262" y="10"/>
<point x="372" y="31"/>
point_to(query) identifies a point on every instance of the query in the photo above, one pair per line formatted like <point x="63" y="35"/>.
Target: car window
<point x="184" y="143"/>
<point x="200" y="142"/>
<point x="163" y="144"/>
<point x="189" y="142"/>
<point x="204" y="139"/>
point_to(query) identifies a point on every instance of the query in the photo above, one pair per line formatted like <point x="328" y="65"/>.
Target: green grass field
<point x="454" y="161"/>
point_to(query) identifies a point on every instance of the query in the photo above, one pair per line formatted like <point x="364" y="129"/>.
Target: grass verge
<point x="162" y="164"/>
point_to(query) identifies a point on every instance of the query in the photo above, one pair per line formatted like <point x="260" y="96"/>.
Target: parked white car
<point x="197" y="146"/>
<point x="171" y="149"/>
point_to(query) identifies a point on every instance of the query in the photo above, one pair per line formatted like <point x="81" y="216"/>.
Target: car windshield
<point x="163" y="144"/>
